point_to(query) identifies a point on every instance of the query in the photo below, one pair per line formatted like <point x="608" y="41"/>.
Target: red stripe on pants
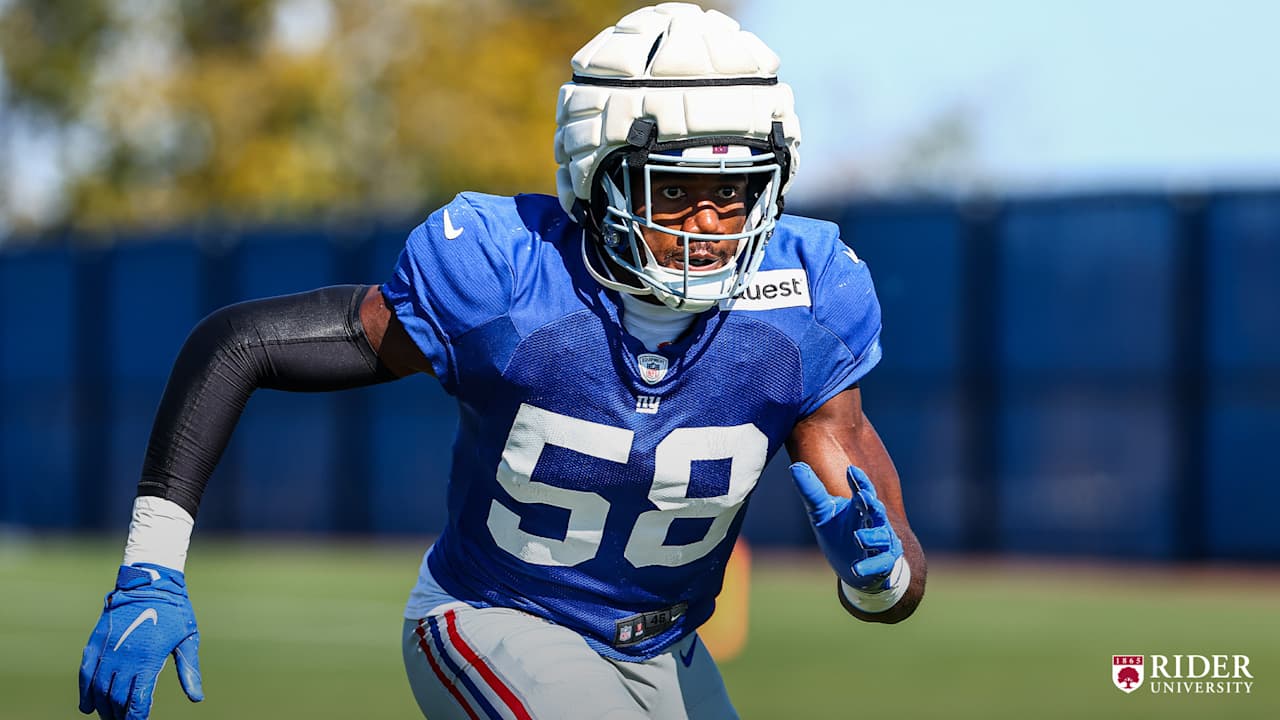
<point x="491" y="679"/>
<point x="448" y="685"/>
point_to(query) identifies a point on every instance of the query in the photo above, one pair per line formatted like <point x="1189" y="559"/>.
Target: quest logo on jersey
<point x="771" y="289"/>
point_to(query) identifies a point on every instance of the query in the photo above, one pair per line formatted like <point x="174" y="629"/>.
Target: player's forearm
<point x="307" y="342"/>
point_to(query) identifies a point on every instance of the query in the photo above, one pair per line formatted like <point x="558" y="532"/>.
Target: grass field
<point x="294" y="631"/>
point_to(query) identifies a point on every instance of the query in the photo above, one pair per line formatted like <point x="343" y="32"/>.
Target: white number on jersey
<point x="534" y="428"/>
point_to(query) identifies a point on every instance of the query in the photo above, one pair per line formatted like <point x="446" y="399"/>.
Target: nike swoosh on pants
<point x="688" y="659"/>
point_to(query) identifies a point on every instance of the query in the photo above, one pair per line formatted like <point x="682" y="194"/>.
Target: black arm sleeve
<point x="309" y="342"/>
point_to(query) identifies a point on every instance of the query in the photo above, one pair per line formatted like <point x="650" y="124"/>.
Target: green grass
<point x="291" y="631"/>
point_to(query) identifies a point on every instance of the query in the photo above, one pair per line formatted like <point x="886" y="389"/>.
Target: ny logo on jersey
<point x="653" y="368"/>
<point x="647" y="404"/>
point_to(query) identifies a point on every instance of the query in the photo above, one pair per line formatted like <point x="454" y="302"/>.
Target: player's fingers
<point x="870" y="511"/>
<point x="139" y="707"/>
<point x="102" y="698"/>
<point x="816" y="498"/>
<point x="187" y="659"/>
<point x="88" y="668"/>
<point x="122" y="687"/>
<point x="881" y="564"/>
<point x="873" y="511"/>
<point x="876" y="538"/>
<point x="859" y="482"/>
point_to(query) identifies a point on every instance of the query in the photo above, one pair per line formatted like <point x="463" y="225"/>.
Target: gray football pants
<point x="488" y="663"/>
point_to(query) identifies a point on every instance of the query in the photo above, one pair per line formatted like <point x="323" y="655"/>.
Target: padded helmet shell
<point x="695" y="73"/>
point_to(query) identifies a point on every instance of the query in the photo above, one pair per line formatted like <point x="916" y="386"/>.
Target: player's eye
<point x="672" y="192"/>
<point x="727" y="192"/>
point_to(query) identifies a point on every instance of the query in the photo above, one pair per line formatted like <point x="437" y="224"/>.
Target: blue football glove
<point x="145" y="619"/>
<point x="854" y="533"/>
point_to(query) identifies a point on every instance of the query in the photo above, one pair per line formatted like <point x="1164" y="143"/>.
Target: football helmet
<point x="673" y="89"/>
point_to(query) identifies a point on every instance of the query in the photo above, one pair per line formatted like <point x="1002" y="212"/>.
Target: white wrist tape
<point x="881" y="600"/>
<point x="159" y="533"/>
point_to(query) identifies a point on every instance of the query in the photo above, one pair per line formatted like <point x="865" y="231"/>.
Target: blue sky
<point x="989" y="96"/>
<point x="1043" y="96"/>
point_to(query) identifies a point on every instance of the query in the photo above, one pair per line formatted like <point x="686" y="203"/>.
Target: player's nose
<point x="704" y="219"/>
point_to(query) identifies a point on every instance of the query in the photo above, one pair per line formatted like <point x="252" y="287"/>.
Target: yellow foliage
<point x="395" y="105"/>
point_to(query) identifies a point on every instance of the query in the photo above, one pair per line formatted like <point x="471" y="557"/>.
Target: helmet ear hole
<point x="610" y="169"/>
<point x="756" y="185"/>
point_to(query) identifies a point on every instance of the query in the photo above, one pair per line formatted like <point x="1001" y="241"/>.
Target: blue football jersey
<point x="594" y="483"/>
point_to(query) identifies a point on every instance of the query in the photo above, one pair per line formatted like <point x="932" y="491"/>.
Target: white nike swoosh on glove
<point x="148" y="614"/>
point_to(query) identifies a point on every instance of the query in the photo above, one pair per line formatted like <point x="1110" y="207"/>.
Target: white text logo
<point x="1184" y="674"/>
<point x="647" y="404"/>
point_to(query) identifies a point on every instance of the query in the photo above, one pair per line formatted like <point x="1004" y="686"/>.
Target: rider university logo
<point x="1127" y="672"/>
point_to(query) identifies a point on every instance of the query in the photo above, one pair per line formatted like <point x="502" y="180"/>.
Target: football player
<point x="626" y="358"/>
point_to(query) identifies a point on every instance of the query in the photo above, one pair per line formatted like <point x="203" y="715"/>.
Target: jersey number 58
<point x="534" y="428"/>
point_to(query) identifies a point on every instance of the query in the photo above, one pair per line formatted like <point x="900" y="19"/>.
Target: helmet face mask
<point x="624" y="200"/>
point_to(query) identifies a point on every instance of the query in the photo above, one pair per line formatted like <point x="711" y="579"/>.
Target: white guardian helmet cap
<point x="673" y="89"/>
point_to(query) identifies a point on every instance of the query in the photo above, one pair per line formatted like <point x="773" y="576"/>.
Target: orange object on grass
<point x="725" y="634"/>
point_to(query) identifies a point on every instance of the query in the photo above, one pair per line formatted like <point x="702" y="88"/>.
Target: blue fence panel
<point x="1243" y="415"/>
<point x="916" y="257"/>
<point x="922" y="425"/>
<point x="38" y="430"/>
<point x="414" y="422"/>
<point x="285" y="442"/>
<point x="39" y="433"/>
<point x="1243" y="494"/>
<point x="1244" y="280"/>
<point x="1087" y="469"/>
<point x="914" y="397"/>
<point x="155" y="295"/>
<point x="1088" y="287"/>
<point x="1086" y="339"/>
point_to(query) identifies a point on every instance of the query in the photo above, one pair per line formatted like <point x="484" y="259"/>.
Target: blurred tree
<point x="266" y="109"/>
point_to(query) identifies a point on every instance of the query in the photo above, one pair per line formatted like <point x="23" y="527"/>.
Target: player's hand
<point x="145" y="619"/>
<point x="854" y="533"/>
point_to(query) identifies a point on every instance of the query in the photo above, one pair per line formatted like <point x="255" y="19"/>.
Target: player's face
<point x="707" y="204"/>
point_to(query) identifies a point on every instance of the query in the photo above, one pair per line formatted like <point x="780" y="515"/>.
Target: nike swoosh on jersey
<point x="693" y="648"/>
<point x="450" y="231"/>
<point x="148" y="614"/>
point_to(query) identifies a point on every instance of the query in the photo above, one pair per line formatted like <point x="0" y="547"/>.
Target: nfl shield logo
<point x="652" y="367"/>
<point x="624" y="634"/>
<point x="1127" y="672"/>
